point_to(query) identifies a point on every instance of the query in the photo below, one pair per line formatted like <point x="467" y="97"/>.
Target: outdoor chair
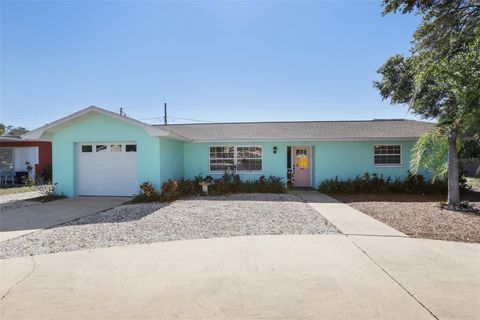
<point x="6" y="176"/>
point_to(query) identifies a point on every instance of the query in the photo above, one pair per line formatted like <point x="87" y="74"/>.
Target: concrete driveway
<point x="21" y="221"/>
<point x="371" y="271"/>
<point x="259" y="277"/>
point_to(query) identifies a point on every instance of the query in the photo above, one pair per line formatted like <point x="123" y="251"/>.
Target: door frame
<point x="310" y="162"/>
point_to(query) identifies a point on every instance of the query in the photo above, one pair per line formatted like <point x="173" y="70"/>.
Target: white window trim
<point x="234" y="159"/>
<point x="388" y="165"/>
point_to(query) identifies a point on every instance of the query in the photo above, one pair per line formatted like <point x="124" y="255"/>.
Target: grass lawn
<point x="13" y="190"/>
<point x="418" y="215"/>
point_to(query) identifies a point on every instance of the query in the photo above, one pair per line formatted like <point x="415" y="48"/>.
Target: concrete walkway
<point x="18" y="222"/>
<point x="262" y="277"/>
<point x="347" y="219"/>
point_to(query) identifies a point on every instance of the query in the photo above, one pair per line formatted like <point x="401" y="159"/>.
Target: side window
<point x="388" y="155"/>
<point x="130" y="148"/>
<point x="87" y="148"/>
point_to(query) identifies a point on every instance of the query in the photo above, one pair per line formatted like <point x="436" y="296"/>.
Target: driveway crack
<point x="34" y="267"/>
<point x="391" y="277"/>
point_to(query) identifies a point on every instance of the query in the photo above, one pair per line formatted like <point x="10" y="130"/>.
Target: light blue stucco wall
<point x="99" y="127"/>
<point x="345" y="159"/>
<point x="171" y="159"/>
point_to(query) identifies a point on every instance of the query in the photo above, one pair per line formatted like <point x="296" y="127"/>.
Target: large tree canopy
<point x="11" y="130"/>
<point x="440" y="79"/>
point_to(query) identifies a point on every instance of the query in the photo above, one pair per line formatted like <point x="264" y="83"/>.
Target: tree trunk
<point x="453" y="189"/>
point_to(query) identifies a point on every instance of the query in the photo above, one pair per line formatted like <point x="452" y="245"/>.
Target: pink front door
<point x="301" y="166"/>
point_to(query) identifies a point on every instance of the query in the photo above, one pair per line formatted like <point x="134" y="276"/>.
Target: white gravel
<point x="18" y="200"/>
<point x="204" y="217"/>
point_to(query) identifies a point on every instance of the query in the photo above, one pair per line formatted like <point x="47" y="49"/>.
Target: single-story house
<point x="99" y="152"/>
<point x="15" y="152"/>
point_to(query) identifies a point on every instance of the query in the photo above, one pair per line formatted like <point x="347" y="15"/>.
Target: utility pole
<point x="165" y="113"/>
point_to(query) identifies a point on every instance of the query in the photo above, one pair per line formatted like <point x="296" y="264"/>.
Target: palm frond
<point x="430" y="153"/>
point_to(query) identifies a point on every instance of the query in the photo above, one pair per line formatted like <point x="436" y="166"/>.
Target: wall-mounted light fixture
<point x="275" y="150"/>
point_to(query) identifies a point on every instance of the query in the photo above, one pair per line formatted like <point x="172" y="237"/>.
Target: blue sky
<point x="211" y="61"/>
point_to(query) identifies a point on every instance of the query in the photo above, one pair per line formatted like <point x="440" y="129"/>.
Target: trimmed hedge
<point x="374" y="183"/>
<point x="229" y="183"/>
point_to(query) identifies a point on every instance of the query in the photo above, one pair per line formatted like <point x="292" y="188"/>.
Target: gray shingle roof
<point x="301" y="131"/>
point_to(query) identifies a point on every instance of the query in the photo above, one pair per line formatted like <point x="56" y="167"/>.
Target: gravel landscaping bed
<point x="419" y="216"/>
<point x="204" y="217"/>
<point x="18" y="200"/>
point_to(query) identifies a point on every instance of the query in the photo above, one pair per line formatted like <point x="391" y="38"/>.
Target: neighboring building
<point x="98" y="152"/>
<point x="16" y="152"/>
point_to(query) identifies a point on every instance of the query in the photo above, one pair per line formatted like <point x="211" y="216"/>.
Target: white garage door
<point x="107" y="169"/>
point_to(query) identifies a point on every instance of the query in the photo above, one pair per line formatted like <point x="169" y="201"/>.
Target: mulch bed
<point x="419" y="216"/>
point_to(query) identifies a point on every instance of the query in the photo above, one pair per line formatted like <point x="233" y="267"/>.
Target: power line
<point x="190" y="119"/>
<point x="178" y="118"/>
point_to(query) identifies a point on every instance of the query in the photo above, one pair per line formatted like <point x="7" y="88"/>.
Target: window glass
<point x="116" y="148"/>
<point x="221" y="165"/>
<point x="87" y="148"/>
<point x="249" y="165"/>
<point x="228" y="158"/>
<point x="222" y="158"/>
<point x="6" y="159"/>
<point x="387" y="155"/>
<point x="100" y="148"/>
<point x="249" y="158"/>
<point x="221" y="152"/>
<point x="131" y="148"/>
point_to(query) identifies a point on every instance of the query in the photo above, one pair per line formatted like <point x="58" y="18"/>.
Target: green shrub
<point x="177" y="189"/>
<point x="229" y="183"/>
<point x="373" y="183"/>
<point x="232" y="183"/>
<point x="147" y="193"/>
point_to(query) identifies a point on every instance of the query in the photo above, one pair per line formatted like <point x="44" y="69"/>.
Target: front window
<point x="388" y="155"/>
<point x="241" y="158"/>
<point x="249" y="159"/>
<point x="222" y="158"/>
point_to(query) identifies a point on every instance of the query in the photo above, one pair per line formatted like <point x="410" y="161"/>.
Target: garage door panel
<point x="107" y="173"/>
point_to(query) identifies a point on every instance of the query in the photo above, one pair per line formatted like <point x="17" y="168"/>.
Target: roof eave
<point x="307" y="139"/>
<point x="151" y="130"/>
